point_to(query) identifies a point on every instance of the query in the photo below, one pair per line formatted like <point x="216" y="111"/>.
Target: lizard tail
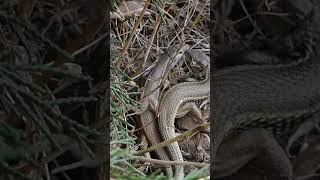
<point x="164" y="156"/>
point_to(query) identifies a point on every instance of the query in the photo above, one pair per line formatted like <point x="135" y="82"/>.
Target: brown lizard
<point x="150" y="99"/>
<point x="276" y="98"/>
<point x="178" y="94"/>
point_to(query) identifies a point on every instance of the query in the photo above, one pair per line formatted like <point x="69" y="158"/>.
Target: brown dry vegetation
<point x="140" y="31"/>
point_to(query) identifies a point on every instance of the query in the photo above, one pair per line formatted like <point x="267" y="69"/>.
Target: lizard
<point x="277" y="98"/>
<point x="168" y="109"/>
<point x="250" y="101"/>
<point x="150" y="99"/>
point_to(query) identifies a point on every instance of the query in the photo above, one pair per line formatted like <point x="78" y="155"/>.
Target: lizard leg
<point x="149" y="101"/>
<point x="255" y="146"/>
<point x="143" y="107"/>
<point x="302" y="130"/>
<point x="189" y="107"/>
<point x="152" y="132"/>
<point x="144" y="145"/>
<point x="307" y="163"/>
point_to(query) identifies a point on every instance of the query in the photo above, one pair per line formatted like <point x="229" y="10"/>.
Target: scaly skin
<point x="178" y="94"/>
<point x="150" y="101"/>
<point x="277" y="98"/>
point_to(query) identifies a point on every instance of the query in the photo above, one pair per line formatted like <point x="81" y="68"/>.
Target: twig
<point x="188" y="33"/>
<point x="126" y="46"/>
<point x="153" y="35"/>
<point x="90" y="44"/>
<point x="178" y="138"/>
<point x="155" y="30"/>
<point x="167" y="163"/>
<point x="197" y="18"/>
<point x="250" y="18"/>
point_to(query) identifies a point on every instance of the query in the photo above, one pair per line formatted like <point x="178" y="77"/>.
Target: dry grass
<point x="139" y="32"/>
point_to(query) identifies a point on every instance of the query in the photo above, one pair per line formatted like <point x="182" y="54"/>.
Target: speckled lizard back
<point x="274" y="97"/>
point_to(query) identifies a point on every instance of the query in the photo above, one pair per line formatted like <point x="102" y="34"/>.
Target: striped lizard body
<point x="271" y="97"/>
<point x="280" y="99"/>
<point x="150" y="99"/>
<point x="169" y="104"/>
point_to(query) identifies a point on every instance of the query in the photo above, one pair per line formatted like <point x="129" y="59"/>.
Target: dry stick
<point x="46" y="168"/>
<point x="126" y="46"/>
<point x="89" y="45"/>
<point x="156" y="30"/>
<point x="167" y="163"/>
<point x="69" y="166"/>
<point x="65" y="175"/>
<point x="189" y="31"/>
<point x="165" y="143"/>
<point x="154" y="33"/>
<point x="177" y="138"/>
<point x="250" y="18"/>
<point x="197" y="18"/>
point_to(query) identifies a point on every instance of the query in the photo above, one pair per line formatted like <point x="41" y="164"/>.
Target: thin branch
<point x="167" y="163"/>
<point x="178" y="138"/>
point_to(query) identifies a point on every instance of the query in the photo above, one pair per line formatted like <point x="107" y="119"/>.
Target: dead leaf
<point x="129" y="9"/>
